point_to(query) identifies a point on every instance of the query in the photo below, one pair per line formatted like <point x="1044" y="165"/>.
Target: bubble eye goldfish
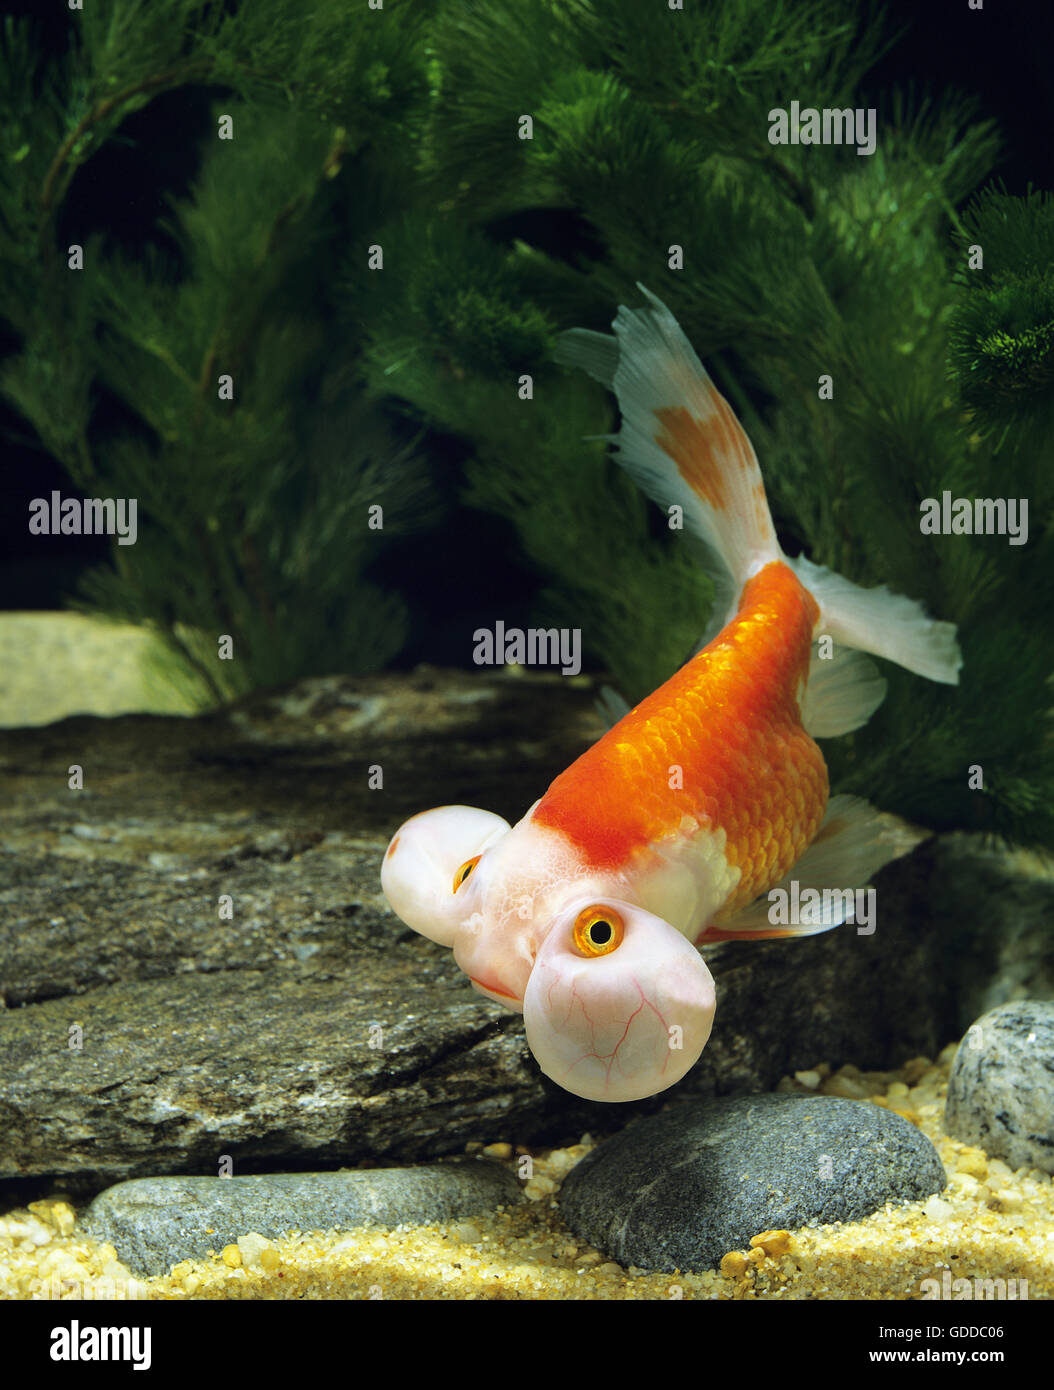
<point x="672" y="829"/>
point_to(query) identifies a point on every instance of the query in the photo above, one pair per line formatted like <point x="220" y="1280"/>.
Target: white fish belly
<point x="688" y="879"/>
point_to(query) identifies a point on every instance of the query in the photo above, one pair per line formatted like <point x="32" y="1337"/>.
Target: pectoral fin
<point x="853" y="843"/>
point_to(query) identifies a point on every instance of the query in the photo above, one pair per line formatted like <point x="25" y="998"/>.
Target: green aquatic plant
<point x="1002" y="337"/>
<point x="520" y="168"/>
<point x="199" y="370"/>
<point x="789" y="267"/>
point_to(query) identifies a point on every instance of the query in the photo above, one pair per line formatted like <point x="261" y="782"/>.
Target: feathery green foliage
<point x="404" y="128"/>
<point x="1002" y="341"/>
<point x="252" y="511"/>
<point x="799" y="261"/>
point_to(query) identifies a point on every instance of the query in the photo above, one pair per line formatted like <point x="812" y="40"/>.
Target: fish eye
<point x="465" y="870"/>
<point x="597" y="931"/>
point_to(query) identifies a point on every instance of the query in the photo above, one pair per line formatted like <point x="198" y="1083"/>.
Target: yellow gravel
<point x="991" y="1223"/>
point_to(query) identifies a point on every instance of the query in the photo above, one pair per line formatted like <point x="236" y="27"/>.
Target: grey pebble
<point x="153" y="1223"/>
<point x="679" y="1190"/>
<point x="1001" y="1088"/>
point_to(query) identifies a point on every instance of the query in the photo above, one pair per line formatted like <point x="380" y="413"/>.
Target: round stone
<point x="679" y="1190"/>
<point x="1001" y="1088"/>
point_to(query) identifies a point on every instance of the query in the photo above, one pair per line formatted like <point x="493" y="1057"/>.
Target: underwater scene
<point x="526" y="639"/>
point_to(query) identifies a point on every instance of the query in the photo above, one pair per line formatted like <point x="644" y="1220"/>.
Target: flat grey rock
<point x="1001" y="1089"/>
<point x="153" y="1223"/>
<point x="144" y="1033"/>
<point x="678" y="1191"/>
<point x="994" y="906"/>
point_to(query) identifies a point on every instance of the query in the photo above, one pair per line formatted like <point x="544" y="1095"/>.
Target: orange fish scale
<point x="729" y="720"/>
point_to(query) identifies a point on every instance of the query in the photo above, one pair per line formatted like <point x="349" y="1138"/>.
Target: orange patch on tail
<point x="703" y="449"/>
<point x="690" y="444"/>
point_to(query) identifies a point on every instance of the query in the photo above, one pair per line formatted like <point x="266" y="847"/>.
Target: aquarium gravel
<point x="990" y="1223"/>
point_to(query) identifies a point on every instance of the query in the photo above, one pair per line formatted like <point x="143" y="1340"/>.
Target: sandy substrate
<point x="990" y="1224"/>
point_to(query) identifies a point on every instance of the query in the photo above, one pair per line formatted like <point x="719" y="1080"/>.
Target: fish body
<point x="672" y="828"/>
<point x="728" y="713"/>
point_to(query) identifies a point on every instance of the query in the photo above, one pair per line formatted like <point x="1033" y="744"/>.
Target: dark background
<point x="1003" y="54"/>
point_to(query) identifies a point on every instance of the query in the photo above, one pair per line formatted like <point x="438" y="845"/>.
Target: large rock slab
<point x="996" y="907"/>
<point x="147" y="1032"/>
<point x="1001" y="1088"/>
<point x="153" y="1223"/>
<point x="678" y="1191"/>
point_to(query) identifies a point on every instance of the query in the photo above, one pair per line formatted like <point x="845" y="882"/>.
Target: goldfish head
<point x="617" y="1003"/>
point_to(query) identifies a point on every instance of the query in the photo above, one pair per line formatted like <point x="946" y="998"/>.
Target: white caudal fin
<point x="684" y="447"/>
<point x="883" y="623"/>
<point x="679" y="440"/>
<point x="853" y="843"/>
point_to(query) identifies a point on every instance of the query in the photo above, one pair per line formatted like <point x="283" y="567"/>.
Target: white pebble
<point x="252" y="1246"/>
<point x="937" y="1209"/>
<point x="31" y="1230"/>
<point x="562" y="1161"/>
<point x="465" y="1232"/>
<point x="967" y="1186"/>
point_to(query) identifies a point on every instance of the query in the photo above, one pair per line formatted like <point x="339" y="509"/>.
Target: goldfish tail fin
<point x="680" y="441"/>
<point x="684" y="447"/>
<point x="853" y="843"/>
<point x="882" y="623"/>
